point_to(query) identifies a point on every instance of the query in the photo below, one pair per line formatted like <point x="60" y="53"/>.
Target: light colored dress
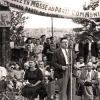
<point x="38" y="51"/>
<point x="19" y="75"/>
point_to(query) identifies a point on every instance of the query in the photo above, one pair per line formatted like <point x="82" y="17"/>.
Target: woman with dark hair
<point x="33" y="80"/>
<point x="29" y="42"/>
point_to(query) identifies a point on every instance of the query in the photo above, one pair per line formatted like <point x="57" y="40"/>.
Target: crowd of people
<point x="36" y="64"/>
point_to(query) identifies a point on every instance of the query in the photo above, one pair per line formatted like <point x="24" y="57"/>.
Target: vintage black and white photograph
<point x="49" y="49"/>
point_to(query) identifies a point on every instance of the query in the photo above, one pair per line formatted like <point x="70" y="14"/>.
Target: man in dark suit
<point x="4" y="21"/>
<point x="90" y="49"/>
<point x="78" y="48"/>
<point x="61" y="63"/>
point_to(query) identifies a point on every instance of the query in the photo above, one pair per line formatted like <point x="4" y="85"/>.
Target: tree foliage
<point x="17" y="22"/>
<point x="17" y="18"/>
<point x="89" y="25"/>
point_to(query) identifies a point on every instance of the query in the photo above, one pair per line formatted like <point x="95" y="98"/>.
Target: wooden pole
<point x="71" y="74"/>
<point x="52" y="25"/>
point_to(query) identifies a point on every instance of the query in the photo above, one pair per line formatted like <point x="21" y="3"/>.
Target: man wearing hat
<point x="90" y="49"/>
<point x="87" y="80"/>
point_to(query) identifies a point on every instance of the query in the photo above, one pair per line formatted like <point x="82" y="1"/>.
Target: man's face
<point x="77" y="40"/>
<point x="29" y="41"/>
<point x="64" y="43"/>
<point x="52" y="40"/>
<point x="48" y="41"/>
<point x="71" y="41"/>
<point x="43" y="38"/>
<point x="90" y="38"/>
<point x="44" y="58"/>
<point x="4" y="17"/>
<point x="33" y="41"/>
<point x="41" y="64"/>
<point x="89" y="67"/>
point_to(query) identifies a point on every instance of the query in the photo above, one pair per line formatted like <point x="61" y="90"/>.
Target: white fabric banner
<point x="45" y="9"/>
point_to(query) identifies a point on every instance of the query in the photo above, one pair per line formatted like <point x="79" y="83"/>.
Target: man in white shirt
<point x="87" y="79"/>
<point x="90" y="49"/>
<point x="78" y="48"/>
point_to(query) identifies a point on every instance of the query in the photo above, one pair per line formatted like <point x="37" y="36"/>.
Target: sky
<point x="36" y="21"/>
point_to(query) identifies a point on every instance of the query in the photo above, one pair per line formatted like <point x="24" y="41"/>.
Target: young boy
<point x="79" y="65"/>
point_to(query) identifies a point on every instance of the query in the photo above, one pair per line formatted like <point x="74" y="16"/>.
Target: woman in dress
<point x="33" y="77"/>
<point x="38" y="49"/>
<point x="18" y="76"/>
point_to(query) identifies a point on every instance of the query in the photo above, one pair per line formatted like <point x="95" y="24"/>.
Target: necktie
<point x="28" y="54"/>
<point x="88" y="76"/>
<point x="5" y="23"/>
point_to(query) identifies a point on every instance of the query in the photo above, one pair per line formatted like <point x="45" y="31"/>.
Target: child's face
<point x="98" y="69"/>
<point x="81" y="60"/>
<point x="26" y="67"/>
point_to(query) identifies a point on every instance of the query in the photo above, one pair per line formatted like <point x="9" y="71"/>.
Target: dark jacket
<point x="94" y="49"/>
<point x="58" y="61"/>
<point x="81" y="49"/>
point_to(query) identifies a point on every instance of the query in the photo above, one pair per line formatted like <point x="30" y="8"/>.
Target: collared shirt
<point x="64" y="52"/>
<point x="76" y="47"/>
<point x="45" y="72"/>
<point x="90" y="73"/>
<point x="90" y="45"/>
<point x="3" y="72"/>
<point x="11" y="44"/>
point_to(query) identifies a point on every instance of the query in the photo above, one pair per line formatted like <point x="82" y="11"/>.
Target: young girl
<point x="10" y="76"/>
<point x="18" y="76"/>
